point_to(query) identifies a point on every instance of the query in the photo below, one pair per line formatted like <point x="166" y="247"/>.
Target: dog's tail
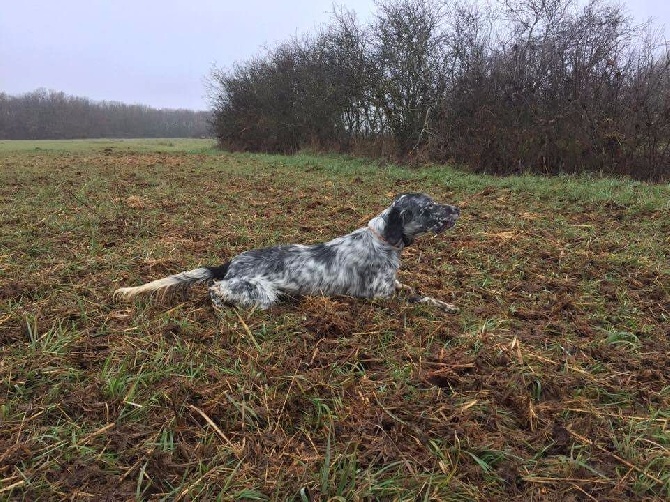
<point x="183" y="280"/>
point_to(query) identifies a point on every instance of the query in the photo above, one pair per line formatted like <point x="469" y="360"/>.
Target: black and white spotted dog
<point x="363" y="263"/>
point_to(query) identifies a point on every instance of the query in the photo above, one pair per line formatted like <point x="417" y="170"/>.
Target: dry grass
<point x="552" y="382"/>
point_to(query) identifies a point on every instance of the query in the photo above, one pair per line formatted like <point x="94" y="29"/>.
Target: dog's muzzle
<point x="447" y="219"/>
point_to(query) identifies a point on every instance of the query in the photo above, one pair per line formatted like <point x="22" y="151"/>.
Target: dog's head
<point x="413" y="214"/>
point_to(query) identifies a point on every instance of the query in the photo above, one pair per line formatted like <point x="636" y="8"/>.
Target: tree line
<point x="45" y="114"/>
<point x="521" y="86"/>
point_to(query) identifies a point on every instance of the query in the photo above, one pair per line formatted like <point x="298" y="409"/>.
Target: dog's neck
<point x="375" y="225"/>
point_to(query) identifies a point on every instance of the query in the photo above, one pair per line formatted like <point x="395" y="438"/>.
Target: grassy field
<point x="107" y="145"/>
<point x="551" y="384"/>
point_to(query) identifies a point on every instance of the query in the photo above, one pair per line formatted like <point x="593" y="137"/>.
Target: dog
<point x="363" y="263"/>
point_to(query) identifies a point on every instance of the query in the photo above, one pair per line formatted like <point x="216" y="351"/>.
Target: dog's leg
<point x="243" y="293"/>
<point x="399" y="286"/>
<point x="414" y="297"/>
<point x="449" y="308"/>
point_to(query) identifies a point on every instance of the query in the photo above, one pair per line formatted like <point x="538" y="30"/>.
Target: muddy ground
<point x="551" y="383"/>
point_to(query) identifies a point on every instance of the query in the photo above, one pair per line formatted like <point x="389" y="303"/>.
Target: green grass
<point x="107" y="145"/>
<point x="551" y="383"/>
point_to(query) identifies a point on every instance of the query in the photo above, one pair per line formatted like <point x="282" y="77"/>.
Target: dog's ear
<point x="393" y="231"/>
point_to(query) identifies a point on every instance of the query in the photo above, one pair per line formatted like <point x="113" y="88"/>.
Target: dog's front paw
<point x="448" y="308"/>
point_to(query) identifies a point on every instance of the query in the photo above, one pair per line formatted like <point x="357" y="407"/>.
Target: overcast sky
<point x="159" y="53"/>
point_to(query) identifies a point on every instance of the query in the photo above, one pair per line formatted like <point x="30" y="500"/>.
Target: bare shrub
<point x="533" y="85"/>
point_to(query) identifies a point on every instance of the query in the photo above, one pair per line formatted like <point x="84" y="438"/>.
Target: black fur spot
<point x="219" y="272"/>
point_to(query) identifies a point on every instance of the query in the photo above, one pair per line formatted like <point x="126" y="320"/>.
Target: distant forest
<point x="46" y="114"/>
<point x="546" y="86"/>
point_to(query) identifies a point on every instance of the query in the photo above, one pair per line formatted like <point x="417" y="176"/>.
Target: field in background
<point x="551" y="383"/>
<point x="188" y="145"/>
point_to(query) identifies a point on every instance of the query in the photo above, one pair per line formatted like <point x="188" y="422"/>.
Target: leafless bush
<point x="534" y="85"/>
<point x="407" y="53"/>
<point x="568" y="92"/>
<point x="312" y="92"/>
